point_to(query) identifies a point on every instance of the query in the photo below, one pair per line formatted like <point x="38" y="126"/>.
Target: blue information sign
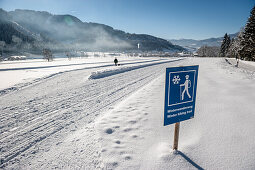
<point x="180" y="93"/>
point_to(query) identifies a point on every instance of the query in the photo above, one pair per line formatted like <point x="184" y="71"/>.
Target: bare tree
<point x="2" y="44"/>
<point x="201" y="51"/>
<point x="69" y="56"/>
<point x="47" y="54"/>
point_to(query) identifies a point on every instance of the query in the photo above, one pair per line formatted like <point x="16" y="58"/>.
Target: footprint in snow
<point x="109" y="131"/>
<point x="116" y="127"/>
<point x="134" y="136"/>
<point x="132" y="121"/>
<point x="127" y="129"/>
<point x="110" y="165"/>
<point x="128" y="157"/>
<point x="117" y="141"/>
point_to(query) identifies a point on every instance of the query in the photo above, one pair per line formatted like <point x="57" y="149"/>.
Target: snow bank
<point x="17" y="58"/>
<point x="118" y="70"/>
<point x="18" y="74"/>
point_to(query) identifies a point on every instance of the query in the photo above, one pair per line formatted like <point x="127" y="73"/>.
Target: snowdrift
<point x="111" y="72"/>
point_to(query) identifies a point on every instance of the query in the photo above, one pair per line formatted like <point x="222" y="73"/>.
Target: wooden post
<point x="176" y="135"/>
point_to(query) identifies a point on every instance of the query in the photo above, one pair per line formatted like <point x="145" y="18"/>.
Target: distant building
<point x="183" y="54"/>
<point x="17" y="58"/>
<point x="195" y="54"/>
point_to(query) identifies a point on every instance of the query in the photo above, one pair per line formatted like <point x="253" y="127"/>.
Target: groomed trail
<point x="36" y="119"/>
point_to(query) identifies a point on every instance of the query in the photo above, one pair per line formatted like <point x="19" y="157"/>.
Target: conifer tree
<point x="225" y="45"/>
<point x="248" y="42"/>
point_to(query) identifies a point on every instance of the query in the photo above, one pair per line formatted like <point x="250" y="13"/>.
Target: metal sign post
<point x="180" y="96"/>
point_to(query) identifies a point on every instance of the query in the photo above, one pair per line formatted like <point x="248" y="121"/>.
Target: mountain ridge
<point x="62" y="32"/>
<point x="193" y="45"/>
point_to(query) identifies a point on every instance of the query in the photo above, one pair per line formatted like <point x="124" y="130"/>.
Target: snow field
<point x="221" y="136"/>
<point x="16" y="74"/>
<point x="38" y="121"/>
<point x="115" y="121"/>
<point x="246" y="65"/>
<point x="126" y="128"/>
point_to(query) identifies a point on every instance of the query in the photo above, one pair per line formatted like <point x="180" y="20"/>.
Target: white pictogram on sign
<point x="176" y="79"/>
<point x="187" y="85"/>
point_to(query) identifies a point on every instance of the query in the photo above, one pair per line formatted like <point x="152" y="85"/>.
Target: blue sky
<point x="196" y="19"/>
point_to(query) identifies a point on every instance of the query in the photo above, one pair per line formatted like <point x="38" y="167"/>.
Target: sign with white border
<point x="180" y="93"/>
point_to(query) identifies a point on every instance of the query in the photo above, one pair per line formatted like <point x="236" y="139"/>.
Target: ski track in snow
<point x="70" y="122"/>
<point x="38" y="117"/>
<point x="27" y="84"/>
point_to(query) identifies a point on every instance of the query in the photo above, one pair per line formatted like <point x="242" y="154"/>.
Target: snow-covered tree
<point x="225" y="45"/>
<point x="248" y="42"/>
<point x="201" y="51"/>
<point x="236" y="47"/>
<point x="69" y="55"/>
<point x="208" y="51"/>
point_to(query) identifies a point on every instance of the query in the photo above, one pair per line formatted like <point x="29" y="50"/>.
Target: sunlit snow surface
<point x="115" y="121"/>
<point x="24" y="71"/>
<point x="221" y="136"/>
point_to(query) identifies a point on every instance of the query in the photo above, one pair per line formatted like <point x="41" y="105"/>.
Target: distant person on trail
<point x="237" y="60"/>
<point x="116" y="61"/>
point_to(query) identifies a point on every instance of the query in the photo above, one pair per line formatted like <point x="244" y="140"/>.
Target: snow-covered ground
<point x="114" y="119"/>
<point x="18" y="74"/>
<point x="221" y="136"/>
<point x="245" y="65"/>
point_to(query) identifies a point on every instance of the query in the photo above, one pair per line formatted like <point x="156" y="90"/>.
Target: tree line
<point x="240" y="47"/>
